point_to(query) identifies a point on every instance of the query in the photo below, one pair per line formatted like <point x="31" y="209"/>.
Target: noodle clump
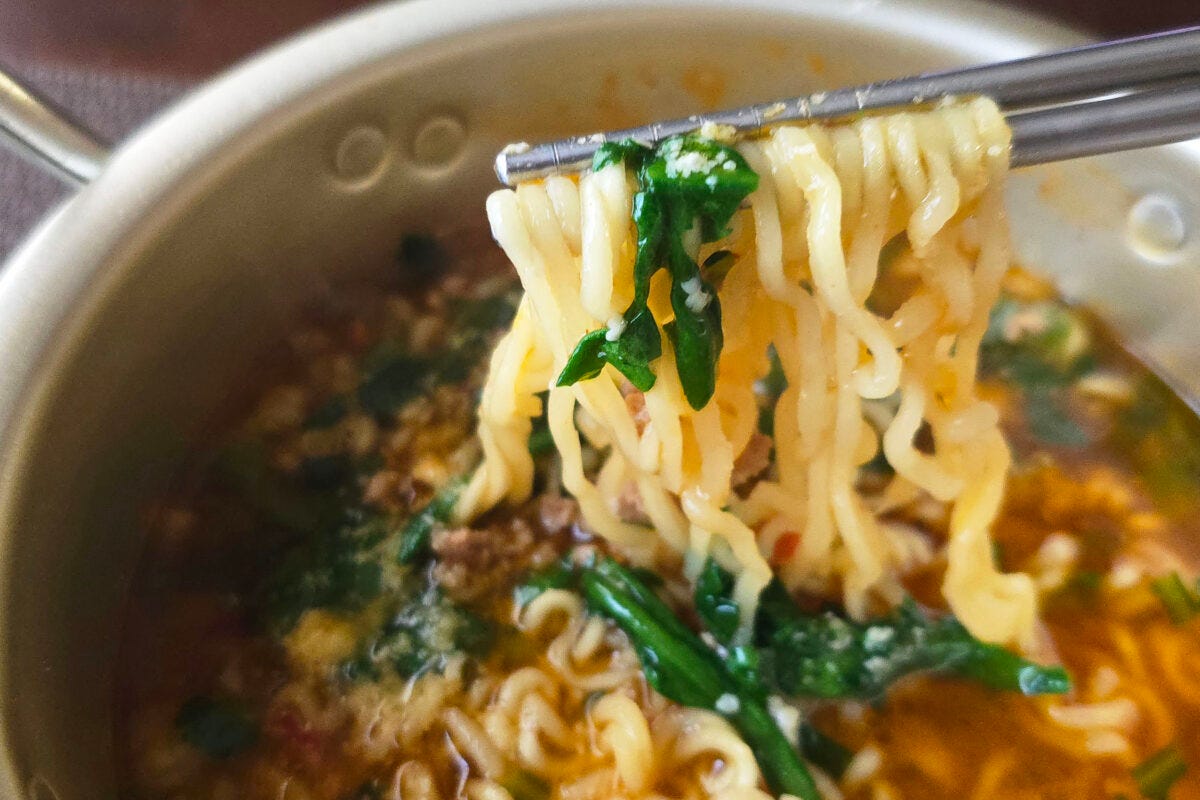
<point x="803" y="279"/>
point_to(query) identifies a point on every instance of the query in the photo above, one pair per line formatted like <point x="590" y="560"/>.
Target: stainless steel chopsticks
<point x="1049" y="101"/>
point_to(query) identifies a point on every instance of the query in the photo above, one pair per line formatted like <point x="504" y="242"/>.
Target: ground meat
<point x="635" y="401"/>
<point x="753" y="461"/>
<point x="390" y="490"/>
<point x="473" y="562"/>
<point x="630" y="507"/>
<point x="557" y="513"/>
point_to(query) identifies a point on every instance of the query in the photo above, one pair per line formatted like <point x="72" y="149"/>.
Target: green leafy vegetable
<point x="769" y="388"/>
<point x="392" y="377"/>
<point x="829" y="656"/>
<point x="688" y="190"/>
<point x="243" y="466"/>
<point x="414" y="538"/>
<point x="524" y="785"/>
<point x="559" y="575"/>
<point x="717" y="266"/>
<point x="541" y="441"/>
<point x="473" y="325"/>
<point x="828" y="754"/>
<point x="338" y="569"/>
<point x="1161" y="436"/>
<point x="631" y="353"/>
<point x="217" y="728"/>
<point x="794" y="653"/>
<point x="609" y="153"/>
<point x="679" y="665"/>
<point x="423" y="630"/>
<point x="1156" y="775"/>
<point x="1042" y="348"/>
<point x="717" y="610"/>
<point x="328" y="415"/>
<point x="1181" y="602"/>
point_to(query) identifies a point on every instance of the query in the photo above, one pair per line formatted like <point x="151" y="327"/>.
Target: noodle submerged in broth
<point x="778" y="481"/>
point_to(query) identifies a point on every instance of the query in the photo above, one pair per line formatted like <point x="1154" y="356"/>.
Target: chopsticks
<point x="1059" y="105"/>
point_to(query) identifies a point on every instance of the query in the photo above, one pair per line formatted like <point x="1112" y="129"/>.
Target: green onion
<point x="1158" y="773"/>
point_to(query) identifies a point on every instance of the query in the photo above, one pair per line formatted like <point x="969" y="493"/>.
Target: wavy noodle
<point x="413" y="780"/>
<point x="807" y="256"/>
<point x="698" y="743"/>
<point x="582" y="649"/>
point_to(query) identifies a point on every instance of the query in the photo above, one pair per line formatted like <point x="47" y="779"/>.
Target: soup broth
<point x="308" y="621"/>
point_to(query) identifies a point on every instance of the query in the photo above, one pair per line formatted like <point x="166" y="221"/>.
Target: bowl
<point x="138" y="307"/>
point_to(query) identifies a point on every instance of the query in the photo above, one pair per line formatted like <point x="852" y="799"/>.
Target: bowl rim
<point x="57" y="277"/>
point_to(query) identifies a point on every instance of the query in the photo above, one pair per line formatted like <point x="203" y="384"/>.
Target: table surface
<point x="116" y="62"/>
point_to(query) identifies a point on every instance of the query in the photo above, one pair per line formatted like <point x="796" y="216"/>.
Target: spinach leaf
<point x="1042" y="348"/>
<point x="422" y="631"/>
<point x="560" y="575"/>
<point x="328" y="415"/>
<point x="630" y="353"/>
<point x="627" y="150"/>
<point x="679" y="665"/>
<point x="682" y="668"/>
<point x="714" y="604"/>
<point x="1160" y="434"/>
<point x="1180" y="601"/>
<point x="417" y="532"/>
<point x="522" y="784"/>
<point x="827" y="753"/>
<point x="242" y="466"/>
<point x="393" y="376"/>
<point x="1156" y="775"/>
<point x="218" y="728"/>
<point x="338" y="569"/>
<point x="687" y="185"/>
<point x="829" y="656"/>
<point x="392" y="382"/>
<point x="473" y="325"/>
<point x="696" y="336"/>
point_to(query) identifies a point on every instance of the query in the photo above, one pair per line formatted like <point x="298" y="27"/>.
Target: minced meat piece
<point x="557" y="513"/>
<point x="472" y="562"/>
<point x="753" y="461"/>
<point x="390" y="489"/>
<point x="630" y="507"/>
<point x="635" y="401"/>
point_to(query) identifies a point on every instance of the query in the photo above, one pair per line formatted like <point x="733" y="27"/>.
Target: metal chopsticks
<point x="1149" y="85"/>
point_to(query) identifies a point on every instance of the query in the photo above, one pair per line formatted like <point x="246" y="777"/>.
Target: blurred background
<point x="113" y="63"/>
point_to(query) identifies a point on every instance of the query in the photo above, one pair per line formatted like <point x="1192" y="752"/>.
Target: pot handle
<point x="46" y="136"/>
